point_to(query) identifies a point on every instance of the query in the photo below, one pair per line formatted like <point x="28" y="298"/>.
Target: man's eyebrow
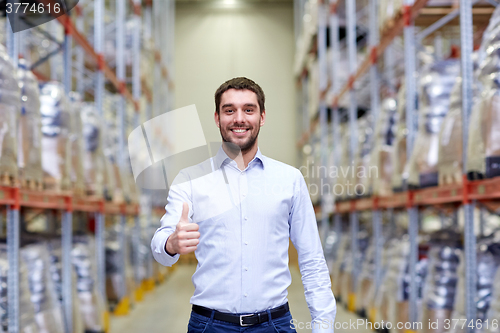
<point x="232" y="105"/>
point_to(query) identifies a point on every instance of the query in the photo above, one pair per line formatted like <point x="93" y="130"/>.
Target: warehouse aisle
<point x="167" y="308"/>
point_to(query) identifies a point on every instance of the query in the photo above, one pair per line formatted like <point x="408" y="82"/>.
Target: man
<point x="242" y="250"/>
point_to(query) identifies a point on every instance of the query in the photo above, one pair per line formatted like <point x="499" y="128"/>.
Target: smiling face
<point x="239" y="118"/>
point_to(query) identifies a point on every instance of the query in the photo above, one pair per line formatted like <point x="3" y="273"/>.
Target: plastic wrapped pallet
<point x="393" y="300"/>
<point x="450" y="136"/>
<point x="494" y="310"/>
<point x="365" y="281"/>
<point x="450" y="140"/>
<point x="10" y="99"/>
<point x="93" y="161"/>
<point x="48" y="312"/>
<point x="27" y="322"/>
<point x="349" y="287"/>
<point x="399" y="151"/>
<point x="119" y="273"/>
<point x="441" y="283"/>
<point x="484" y="140"/>
<point x="92" y="303"/>
<point x="435" y="87"/>
<point x="487" y="261"/>
<point x="55" y="252"/>
<point x="345" y="177"/>
<point x="362" y="171"/>
<point x="381" y="156"/>
<point x="111" y="150"/>
<point x="76" y="143"/>
<point x="338" y="266"/>
<point x="56" y="127"/>
<point x="388" y="9"/>
<point x="29" y="154"/>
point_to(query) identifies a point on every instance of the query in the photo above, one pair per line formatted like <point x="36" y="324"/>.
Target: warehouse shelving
<point x="466" y="194"/>
<point x="15" y="198"/>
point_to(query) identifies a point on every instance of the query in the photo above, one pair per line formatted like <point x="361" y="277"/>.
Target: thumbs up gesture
<point x="186" y="237"/>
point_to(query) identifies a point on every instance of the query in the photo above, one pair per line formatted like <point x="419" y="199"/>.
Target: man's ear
<point x="217" y="119"/>
<point x="262" y="118"/>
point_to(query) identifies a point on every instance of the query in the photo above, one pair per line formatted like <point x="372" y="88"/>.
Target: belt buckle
<point x="241" y="320"/>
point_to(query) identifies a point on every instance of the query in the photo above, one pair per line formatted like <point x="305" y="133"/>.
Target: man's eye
<point x="248" y="110"/>
<point x="229" y="111"/>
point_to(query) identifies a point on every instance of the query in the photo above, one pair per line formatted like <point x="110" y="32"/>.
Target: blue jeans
<point x="202" y="324"/>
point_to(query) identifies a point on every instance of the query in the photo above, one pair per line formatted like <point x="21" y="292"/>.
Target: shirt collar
<point x="222" y="157"/>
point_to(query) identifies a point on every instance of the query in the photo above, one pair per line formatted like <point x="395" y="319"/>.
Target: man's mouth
<point x="239" y="130"/>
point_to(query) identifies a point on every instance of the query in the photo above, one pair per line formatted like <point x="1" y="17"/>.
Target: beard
<point x="244" y="146"/>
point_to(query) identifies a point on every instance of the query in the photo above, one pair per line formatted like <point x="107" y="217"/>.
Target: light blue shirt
<point x="245" y="221"/>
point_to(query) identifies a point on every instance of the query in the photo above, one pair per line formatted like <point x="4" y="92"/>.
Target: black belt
<point x="242" y="320"/>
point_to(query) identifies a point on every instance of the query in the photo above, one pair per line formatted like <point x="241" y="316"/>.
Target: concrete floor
<point x="166" y="309"/>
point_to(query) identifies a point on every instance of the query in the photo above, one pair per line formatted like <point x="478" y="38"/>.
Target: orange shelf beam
<point x="481" y="190"/>
<point x="63" y="201"/>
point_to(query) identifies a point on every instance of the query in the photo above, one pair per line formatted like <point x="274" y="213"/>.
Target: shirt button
<point x="246" y="295"/>
<point x="246" y="243"/>
<point x="246" y="268"/>
<point x="246" y="218"/>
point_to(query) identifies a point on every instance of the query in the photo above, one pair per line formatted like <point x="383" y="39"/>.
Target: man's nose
<point x="239" y="117"/>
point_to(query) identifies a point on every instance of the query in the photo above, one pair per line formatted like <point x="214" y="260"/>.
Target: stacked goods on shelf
<point x="487" y="261"/>
<point x="394" y="298"/>
<point x="441" y="284"/>
<point x="348" y="286"/>
<point x="450" y="136"/>
<point x="27" y="322"/>
<point x="10" y="99"/>
<point x="484" y="142"/>
<point x="48" y="312"/>
<point x="305" y="41"/>
<point x="76" y="170"/>
<point x="330" y="249"/>
<point x="435" y="87"/>
<point x="55" y="251"/>
<point x="375" y="299"/>
<point x="381" y="157"/>
<point x="345" y="178"/>
<point x="56" y="127"/>
<point x="365" y="281"/>
<point x="111" y="149"/>
<point x="93" y="161"/>
<point x="362" y="170"/>
<point x="119" y="279"/>
<point x="92" y="302"/>
<point x="338" y="266"/>
<point x="387" y="11"/>
<point x="450" y="140"/>
<point x="139" y="252"/>
<point x="494" y="310"/>
<point x="399" y="150"/>
<point x="29" y="153"/>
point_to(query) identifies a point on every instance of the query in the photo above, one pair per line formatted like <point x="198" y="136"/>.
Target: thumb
<point x="185" y="212"/>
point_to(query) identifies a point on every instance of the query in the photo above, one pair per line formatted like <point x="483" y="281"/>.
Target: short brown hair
<point x="240" y="83"/>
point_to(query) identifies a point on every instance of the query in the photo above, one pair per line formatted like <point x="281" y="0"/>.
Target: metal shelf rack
<point x="15" y="198"/>
<point x="465" y="194"/>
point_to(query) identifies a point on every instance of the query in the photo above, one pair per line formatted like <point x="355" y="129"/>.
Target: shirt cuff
<point x="159" y="252"/>
<point x="165" y="249"/>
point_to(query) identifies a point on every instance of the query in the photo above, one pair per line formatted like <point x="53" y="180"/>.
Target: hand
<point x="185" y="237"/>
